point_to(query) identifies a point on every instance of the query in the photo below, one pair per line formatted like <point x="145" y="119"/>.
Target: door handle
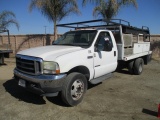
<point x="114" y="53"/>
<point x="89" y="57"/>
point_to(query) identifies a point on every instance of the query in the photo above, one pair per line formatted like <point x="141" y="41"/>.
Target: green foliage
<point x="55" y="10"/>
<point x="108" y="9"/>
<point x="7" y="18"/>
<point x="84" y="2"/>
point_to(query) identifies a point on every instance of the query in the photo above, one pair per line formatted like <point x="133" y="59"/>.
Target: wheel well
<point x="81" y="69"/>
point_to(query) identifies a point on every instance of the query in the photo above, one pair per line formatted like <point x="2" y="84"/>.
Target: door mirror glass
<point x="107" y="44"/>
<point x="104" y="43"/>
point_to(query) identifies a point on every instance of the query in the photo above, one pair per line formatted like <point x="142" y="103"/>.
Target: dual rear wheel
<point x="136" y="66"/>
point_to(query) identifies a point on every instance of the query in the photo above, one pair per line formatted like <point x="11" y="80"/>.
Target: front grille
<point x="30" y="65"/>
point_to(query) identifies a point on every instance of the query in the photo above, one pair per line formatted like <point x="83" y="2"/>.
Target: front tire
<point x="138" y="66"/>
<point x="74" y="88"/>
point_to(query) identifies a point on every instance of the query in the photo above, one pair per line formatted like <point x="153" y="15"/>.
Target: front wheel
<point x="74" y="88"/>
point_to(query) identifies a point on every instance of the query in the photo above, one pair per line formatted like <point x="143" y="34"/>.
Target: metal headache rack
<point x="126" y="27"/>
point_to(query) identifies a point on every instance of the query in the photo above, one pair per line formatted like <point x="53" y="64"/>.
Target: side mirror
<point x="104" y="44"/>
<point x="108" y="45"/>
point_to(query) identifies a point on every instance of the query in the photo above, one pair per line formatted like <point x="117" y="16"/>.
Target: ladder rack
<point x="126" y="27"/>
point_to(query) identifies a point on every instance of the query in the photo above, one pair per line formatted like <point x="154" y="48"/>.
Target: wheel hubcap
<point x="77" y="89"/>
<point x="140" y="68"/>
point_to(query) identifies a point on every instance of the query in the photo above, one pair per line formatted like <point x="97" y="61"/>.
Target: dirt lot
<point x="123" y="97"/>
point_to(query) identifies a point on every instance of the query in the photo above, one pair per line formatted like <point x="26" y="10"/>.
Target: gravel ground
<point x="123" y="97"/>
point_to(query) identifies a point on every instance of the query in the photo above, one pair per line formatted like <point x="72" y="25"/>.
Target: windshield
<point x="76" y="38"/>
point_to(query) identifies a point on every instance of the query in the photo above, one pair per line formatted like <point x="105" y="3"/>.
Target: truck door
<point x="105" y="55"/>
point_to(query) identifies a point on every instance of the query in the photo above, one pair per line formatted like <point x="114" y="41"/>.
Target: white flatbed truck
<point x="88" y="54"/>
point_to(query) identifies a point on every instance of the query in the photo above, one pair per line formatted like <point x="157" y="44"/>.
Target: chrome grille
<point x="30" y="65"/>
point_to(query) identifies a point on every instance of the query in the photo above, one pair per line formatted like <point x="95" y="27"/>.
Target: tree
<point x="7" y="18"/>
<point x="55" y="10"/>
<point x="108" y="9"/>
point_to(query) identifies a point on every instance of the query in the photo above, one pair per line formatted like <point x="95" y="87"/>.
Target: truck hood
<point x="49" y="52"/>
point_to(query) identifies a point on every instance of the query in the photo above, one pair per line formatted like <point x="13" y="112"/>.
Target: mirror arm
<point x="96" y="49"/>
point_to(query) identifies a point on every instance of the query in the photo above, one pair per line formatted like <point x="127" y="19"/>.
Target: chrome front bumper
<point x="45" y="85"/>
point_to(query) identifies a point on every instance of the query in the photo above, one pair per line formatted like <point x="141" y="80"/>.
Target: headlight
<point x="50" y="67"/>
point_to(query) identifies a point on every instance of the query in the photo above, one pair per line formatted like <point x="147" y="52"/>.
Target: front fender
<point x="72" y="60"/>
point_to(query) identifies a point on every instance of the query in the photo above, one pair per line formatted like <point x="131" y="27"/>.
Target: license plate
<point x="22" y="83"/>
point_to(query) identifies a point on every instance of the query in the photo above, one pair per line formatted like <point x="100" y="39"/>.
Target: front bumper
<point x="45" y="85"/>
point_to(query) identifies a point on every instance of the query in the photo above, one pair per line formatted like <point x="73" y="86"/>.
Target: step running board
<point x="100" y="79"/>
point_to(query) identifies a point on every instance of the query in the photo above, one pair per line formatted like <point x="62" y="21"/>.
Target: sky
<point x="147" y="14"/>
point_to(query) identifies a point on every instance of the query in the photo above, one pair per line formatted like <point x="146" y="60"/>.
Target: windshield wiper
<point x="75" y="44"/>
<point x="81" y="44"/>
<point x="54" y="44"/>
<point x="63" y="44"/>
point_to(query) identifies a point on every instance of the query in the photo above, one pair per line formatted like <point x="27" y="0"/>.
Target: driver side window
<point x="102" y="38"/>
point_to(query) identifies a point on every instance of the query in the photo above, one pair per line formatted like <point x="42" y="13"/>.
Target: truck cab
<point x="99" y="46"/>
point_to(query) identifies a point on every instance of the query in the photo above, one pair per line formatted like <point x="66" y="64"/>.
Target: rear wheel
<point x="138" y="66"/>
<point x="74" y="88"/>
